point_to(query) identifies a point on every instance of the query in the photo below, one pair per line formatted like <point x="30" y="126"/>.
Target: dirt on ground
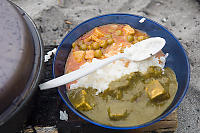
<point x="181" y="17"/>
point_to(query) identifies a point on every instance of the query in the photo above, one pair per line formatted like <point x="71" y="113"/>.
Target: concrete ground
<point x="182" y="17"/>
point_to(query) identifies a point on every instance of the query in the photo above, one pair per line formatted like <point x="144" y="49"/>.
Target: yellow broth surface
<point x="127" y="101"/>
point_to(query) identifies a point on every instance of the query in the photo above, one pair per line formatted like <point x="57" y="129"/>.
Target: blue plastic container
<point x="177" y="59"/>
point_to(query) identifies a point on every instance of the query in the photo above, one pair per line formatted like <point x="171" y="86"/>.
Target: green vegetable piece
<point x="118" y="32"/>
<point x="104" y="44"/>
<point x="97" y="53"/>
<point x="154" y="71"/>
<point x="116" y="88"/>
<point x="130" y="38"/>
<point x="95" y="45"/>
<point x="83" y="47"/>
<point x="110" y="41"/>
<point x="114" y="85"/>
<point x="89" y="47"/>
<point x="136" y="96"/>
<point x="119" y="94"/>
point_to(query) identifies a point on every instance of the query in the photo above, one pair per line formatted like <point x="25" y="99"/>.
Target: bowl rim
<point x="130" y="127"/>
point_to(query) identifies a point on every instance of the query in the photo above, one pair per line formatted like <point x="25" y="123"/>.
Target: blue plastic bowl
<point x="177" y="59"/>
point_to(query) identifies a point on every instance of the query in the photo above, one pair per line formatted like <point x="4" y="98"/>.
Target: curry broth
<point x="134" y="106"/>
<point x="130" y="100"/>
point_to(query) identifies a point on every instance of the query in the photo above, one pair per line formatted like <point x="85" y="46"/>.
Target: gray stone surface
<point x="182" y="17"/>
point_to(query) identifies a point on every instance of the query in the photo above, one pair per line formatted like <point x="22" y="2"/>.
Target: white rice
<point x="63" y="115"/>
<point x="101" y="78"/>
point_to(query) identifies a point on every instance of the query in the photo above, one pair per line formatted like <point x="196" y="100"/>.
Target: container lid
<point x="17" y="54"/>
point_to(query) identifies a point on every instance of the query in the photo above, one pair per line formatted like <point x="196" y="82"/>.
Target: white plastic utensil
<point x="137" y="52"/>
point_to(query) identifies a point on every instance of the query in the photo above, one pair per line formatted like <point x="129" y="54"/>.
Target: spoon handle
<point x="64" y="79"/>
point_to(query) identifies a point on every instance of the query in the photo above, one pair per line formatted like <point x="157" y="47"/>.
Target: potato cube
<point x="79" y="55"/>
<point x="89" y="54"/>
<point x="92" y="38"/>
<point x="128" y="30"/>
<point x="117" y="115"/>
<point x="95" y="38"/>
<point x="88" y="39"/>
<point x="98" y="33"/>
<point x="155" y="90"/>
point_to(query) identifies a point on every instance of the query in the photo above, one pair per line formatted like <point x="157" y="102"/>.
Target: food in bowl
<point x="123" y="93"/>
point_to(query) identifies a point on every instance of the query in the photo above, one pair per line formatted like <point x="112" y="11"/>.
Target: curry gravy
<point x="127" y="101"/>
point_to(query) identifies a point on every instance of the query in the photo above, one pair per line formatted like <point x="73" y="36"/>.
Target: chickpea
<point x="83" y="46"/>
<point x="104" y="44"/>
<point x="118" y="32"/>
<point x="95" y="45"/>
<point x="130" y="38"/>
<point x="97" y="53"/>
<point x="110" y="41"/>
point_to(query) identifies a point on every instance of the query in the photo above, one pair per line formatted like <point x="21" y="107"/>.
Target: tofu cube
<point x="155" y="90"/>
<point x="98" y="33"/>
<point x="89" y="54"/>
<point x="79" y="55"/>
<point x="88" y="39"/>
<point x="94" y="36"/>
<point x="128" y="30"/>
<point x="116" y="115"/>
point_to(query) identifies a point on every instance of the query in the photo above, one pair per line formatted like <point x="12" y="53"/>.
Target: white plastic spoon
<point x="137" y="52"/>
